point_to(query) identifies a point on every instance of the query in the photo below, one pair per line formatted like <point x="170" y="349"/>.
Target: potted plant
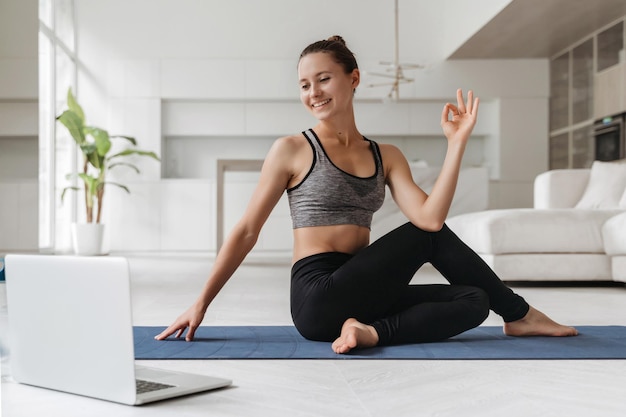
<point x="98" y="159"/>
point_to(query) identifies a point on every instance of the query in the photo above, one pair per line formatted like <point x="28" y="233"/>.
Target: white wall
<point x="176" y="74"/>
<point x="223" y="73"/>
<point x="18" y="124"/>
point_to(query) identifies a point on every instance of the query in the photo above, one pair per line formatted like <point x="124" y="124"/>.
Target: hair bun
<point x="336" y="38"/>
<point x="336" y="47"/>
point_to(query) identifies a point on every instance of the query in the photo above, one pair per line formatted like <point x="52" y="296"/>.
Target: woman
<point x="343" y="288"/>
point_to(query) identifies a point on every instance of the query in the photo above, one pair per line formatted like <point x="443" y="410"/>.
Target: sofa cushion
<point x="560" y="188"/>
<point x="551" y="266"/>
<point x="614" y="235"/>
<point x="533" y="230"/>
<point x="619" y="268"/>
<point x="607" y="183"/>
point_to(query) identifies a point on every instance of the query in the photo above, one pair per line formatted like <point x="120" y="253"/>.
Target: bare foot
<point x="355" y="334"/>
<point x="535" y="323"/>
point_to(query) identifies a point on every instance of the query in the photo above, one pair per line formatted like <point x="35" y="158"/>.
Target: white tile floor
<point x="258" y="294"/>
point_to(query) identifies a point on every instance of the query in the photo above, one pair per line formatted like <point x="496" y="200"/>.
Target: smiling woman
<point x="322" y="81"/>
<point x="345" y="290"/>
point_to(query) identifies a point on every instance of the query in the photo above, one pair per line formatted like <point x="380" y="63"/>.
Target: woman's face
<point x="325" y="88"/>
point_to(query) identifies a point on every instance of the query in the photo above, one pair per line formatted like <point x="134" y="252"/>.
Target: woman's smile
<point x="319" y="104"/>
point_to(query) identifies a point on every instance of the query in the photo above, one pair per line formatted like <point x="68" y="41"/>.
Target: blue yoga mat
<point x="284" y="342"/>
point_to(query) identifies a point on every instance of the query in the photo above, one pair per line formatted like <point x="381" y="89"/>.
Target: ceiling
<point x="539" y="28"/>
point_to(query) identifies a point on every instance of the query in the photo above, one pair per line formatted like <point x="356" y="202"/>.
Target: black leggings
<point x="373" y="287"/>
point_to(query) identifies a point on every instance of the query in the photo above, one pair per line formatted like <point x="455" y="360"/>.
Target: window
<point x="57" y="153"/>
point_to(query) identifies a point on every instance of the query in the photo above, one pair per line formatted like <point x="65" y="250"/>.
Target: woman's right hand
<point x="189" y="319"/>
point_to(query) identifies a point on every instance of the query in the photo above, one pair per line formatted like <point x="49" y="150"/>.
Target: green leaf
<point x="91" y="153"/>
<point x="97" y="161"/>
<point x="66" y="189"/>
<point x="88" y="148"/>
<point x="123" y="187"/>
<point x="101" y="138"/>
<point x="89" y="180"/>
<point x="73" y="105"/>
<point x="126" y="152"/>
<point x="125" y="164"/>
<point x="128" y="138"/>
<point x="74" y="125"/>
<point x="92" y="187"/>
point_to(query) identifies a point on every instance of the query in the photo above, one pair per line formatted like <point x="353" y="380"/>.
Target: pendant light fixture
<point x="394" y="70"/>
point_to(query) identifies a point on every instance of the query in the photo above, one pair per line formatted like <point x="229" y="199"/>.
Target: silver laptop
<point x="70" y="329"/>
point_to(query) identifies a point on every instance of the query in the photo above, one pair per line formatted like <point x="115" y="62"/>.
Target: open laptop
<point x="70" y="329"/>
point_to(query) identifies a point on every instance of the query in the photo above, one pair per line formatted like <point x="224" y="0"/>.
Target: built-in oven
<point x="609" y="137"/>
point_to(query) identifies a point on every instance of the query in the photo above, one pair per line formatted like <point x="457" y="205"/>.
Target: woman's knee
<point x="478" y="304"/>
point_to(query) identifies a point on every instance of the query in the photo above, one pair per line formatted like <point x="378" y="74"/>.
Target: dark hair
<point x="336" y="47"/>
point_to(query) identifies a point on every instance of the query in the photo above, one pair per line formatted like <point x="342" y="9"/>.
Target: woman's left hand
<point x="459" y="127"/>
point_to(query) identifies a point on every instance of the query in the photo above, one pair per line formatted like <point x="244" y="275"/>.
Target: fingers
<point x="191" y="333"/>
<point x="472" y="103"/>
<point x="179" y="330"/>
<point x="447" y="109"/>
<point x="170" y="331"/>
<point x="470" y="106"/>
<point x="459" y="100"/>
<point x="164" y="334"/>
<point x="475" y="107"/>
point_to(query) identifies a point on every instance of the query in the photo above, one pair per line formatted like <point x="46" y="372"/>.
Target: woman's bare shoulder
<point x="292" y="141"/>
<point x="290" y="145"/>
<point x="392" y="155"/>
<point x="387" y="148"/>
<point x="289" y="152"/>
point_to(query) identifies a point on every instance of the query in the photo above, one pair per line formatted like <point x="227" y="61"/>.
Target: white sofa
<point x="575" y="232"/>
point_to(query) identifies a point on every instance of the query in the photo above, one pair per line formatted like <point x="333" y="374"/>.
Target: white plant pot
<point x="87" y="238"/>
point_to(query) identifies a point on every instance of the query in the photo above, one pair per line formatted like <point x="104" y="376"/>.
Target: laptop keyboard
<point x="149" y="386"/>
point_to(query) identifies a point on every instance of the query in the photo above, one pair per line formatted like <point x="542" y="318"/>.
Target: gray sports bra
<point x="330" y="196"/>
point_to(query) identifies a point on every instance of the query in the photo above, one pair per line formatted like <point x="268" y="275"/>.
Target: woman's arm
<point x="429" y="212"/>
<point x="275" y="175"/>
